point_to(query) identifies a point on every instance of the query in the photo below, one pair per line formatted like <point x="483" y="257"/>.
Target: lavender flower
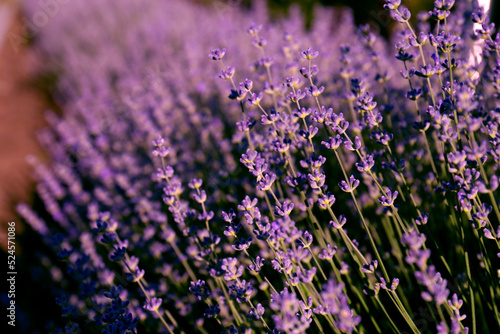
<point x="199" y="179"/>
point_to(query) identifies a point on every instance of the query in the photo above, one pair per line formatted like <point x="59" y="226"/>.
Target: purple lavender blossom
<point x="269" y="200"/>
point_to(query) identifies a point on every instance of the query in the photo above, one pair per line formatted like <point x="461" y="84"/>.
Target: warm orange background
<point x="21" y="114"/>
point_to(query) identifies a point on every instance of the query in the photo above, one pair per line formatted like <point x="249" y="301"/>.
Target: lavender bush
<point x="332" y="181"/>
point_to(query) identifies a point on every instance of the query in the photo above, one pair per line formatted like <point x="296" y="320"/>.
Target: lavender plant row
<point x="327" y="181"/>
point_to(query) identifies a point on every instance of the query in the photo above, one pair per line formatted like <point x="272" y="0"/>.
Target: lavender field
<point x="214" y="168"/>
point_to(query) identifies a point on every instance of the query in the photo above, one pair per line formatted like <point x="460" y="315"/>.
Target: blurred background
<point x="24" y="96"/>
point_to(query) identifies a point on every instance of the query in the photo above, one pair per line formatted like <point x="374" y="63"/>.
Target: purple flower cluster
<point x="293" y="181"/>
